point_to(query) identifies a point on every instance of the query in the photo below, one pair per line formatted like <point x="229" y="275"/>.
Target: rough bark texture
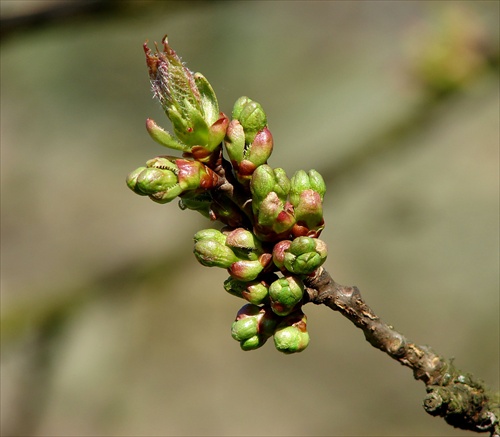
<point x="462" y="400"/>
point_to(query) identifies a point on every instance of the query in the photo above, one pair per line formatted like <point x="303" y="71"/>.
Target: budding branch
<point x="462" y="400"/>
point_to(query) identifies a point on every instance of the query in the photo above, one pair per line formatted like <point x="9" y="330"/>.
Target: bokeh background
<point x="109" y="325"/>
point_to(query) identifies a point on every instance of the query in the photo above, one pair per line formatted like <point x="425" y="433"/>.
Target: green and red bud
<point x="189" y="102"/>
<point x="253" y="326"/>
<point x="167" y="177"/>
<point x="212" y="253"/>
<point x="266" y="180"/>
<point x="285" y="294"/>
<point x="251" y="117"/>
<point x="255" y="292"/>
<point x="306" y="195"/>
<point x="291" y="335"/>
<point x="304" y="255"/>
<point x="279" y="251"/>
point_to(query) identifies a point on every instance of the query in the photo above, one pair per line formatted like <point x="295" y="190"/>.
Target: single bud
<point x="304" y="255"/>
<point x="244" y="244"/>
<point x="279" y="251"/>
<point x="266" y="180"/>
<point x="226" y="211"/>
<point x="255" y="292"/>
<point x="285" y="294"/>
<point x="211" y="253"/>
<point x="245" y="158"/>
<point x="210" y="234"/>
<point x="132" y="180"/>
<point x="251" y="116"/>
<point x="245" y="270"/>
<point x="274" y="220"/>
<point x="167" y="177"/>
<point x="189" y="102"/>
<point x="291" y="334"/>
<point x="160" y="185"/>
<point x="253" y="326"/>
<point x="307" y="191"/>
<point x="302" y="181"/>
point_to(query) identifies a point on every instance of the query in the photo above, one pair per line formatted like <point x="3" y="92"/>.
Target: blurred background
<point x="110" y="326"/>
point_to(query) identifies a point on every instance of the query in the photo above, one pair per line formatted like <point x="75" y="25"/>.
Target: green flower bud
<point x="253" y="326"/>
<point x="160" y="185"/>
<point x="251" y="116"/>
<point x="266" y="180"/>
<point x="244" y="244"/>
<point x="167" y="177"/>
<point x="304" y="255"/>
<point x="245" y="158"/>
<point x="279" y="251"/>
<point x="306" y="181"/>
<point x="275" y="219"/>
<point x="245" y="270"/>
<point x="291" y="334"/>
<point x="210" y="234"/>
<point x="285" y="294"/>
<point x="255" y="292"/>
<point x="212" y="253"/>
<point x="132" y="180"/>
<point x="239" y="105"/>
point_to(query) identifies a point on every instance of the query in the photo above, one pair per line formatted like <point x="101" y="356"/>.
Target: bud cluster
<point x="269" y="243"/>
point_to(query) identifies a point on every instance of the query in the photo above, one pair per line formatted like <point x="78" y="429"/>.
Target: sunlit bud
<point x="212" y="253"/>
<point x="251" y="116"/>
<point x="210" y="234"/>
<point x="266" y="180"/>
<point x="253" y="326"/>
<point x="279" y="251"/>
<point x="188" y="100"/>
<point x="244" y="244"/>
<point x="255" y="292"/>
<point x="245" y="270"/>
<point x="275" y="219"/>
<point x="291" y="334"/>
<point x="245" y="157"/>
<point x="306" y="181"/>
<point x="160" y="185"/>
<point x="305" y="255"/>
<point x="285" y="293"/>
<point x="132" y="180"/>
<point x="308" y="214"/>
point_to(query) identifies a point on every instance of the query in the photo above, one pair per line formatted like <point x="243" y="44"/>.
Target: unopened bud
<point x="291" y="335"/>
<point x="304" y="255"/>
<point x="285" y="293"/>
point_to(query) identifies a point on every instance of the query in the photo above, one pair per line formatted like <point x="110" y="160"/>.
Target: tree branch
<point x="461" y="399"/>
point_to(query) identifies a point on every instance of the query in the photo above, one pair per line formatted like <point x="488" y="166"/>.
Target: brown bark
<point x="462" y="400"/>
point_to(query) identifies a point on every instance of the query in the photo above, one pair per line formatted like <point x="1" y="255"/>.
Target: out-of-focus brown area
<point x="110" y="326"/>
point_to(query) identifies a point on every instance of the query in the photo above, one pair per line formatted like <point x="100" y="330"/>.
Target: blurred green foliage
<point x="109" y="325"/>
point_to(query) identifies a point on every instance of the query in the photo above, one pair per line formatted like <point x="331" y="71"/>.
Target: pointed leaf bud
<point x="285" y="294"/>
<point x="305" y="255"/>
<point x="291" y="334"/>
<point x="189" y="102"/>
